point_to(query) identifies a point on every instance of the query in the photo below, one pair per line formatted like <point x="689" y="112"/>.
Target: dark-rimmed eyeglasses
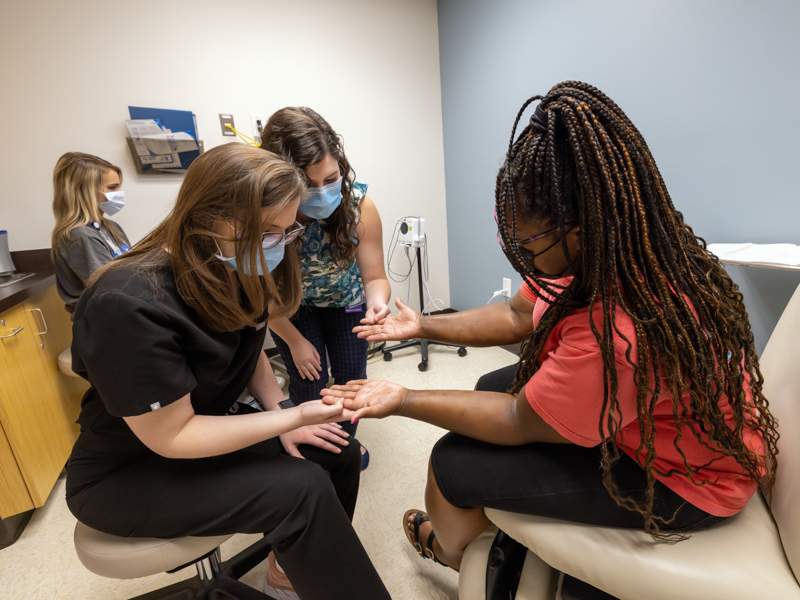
<point x="533" y="238"/>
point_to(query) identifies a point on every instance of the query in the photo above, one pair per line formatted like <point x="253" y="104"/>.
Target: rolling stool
<point x="65" y="363"/>
<point x="127" y="558"/>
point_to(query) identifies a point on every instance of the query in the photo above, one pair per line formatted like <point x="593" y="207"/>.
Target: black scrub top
<point x="141" y="348"/>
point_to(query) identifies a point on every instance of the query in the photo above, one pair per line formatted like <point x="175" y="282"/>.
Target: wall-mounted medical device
<point x="410" y="231"/>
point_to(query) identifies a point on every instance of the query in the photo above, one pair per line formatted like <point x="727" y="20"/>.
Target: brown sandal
<point x="413" y="538"/>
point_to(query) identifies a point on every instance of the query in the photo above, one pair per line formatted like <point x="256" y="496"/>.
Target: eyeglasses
<point x="270" y="239"/>
<point x="533" y="238"/>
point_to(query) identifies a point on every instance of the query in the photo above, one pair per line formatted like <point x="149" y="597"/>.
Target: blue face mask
<point x="321" y="202"/>
<point x="273" y="255"/>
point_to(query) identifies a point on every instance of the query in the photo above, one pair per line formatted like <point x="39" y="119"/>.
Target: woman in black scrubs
<point x="170" y="335"/>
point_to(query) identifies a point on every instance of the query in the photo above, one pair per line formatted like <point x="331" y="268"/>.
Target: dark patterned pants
<point x="331" y="332"/>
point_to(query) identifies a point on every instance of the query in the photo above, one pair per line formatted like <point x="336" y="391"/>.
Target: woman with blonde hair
<point x="86" y="190"/>
<point x="170" y="335"/>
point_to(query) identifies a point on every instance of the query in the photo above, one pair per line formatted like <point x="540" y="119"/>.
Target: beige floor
<point x="42" y="564"/>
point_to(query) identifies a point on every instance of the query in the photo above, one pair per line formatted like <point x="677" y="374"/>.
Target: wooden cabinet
<point x="38" y="403"/>
<point x="14" y="496"/>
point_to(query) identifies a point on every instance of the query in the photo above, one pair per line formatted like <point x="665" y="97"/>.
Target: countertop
<point x="37" y="262"/>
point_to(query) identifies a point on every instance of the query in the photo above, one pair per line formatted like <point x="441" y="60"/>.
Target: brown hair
<point x="77" y="183"/>
<point x="233" y="181"/>
<point x="581" y="160"/>
<point x="303" y="137"/>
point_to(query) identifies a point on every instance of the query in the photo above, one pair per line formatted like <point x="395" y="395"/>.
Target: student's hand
<point x="323" y="432"/>
<point x="368" y="398"/>
<point x="376" y="313"/>
<point x="403" y="326"/>
<point x="306" y="359"/>
<point x="322" y="436"/>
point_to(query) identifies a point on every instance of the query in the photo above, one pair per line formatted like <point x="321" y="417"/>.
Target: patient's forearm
<point x="486" y="416"/>
<point x="490" y="325"/>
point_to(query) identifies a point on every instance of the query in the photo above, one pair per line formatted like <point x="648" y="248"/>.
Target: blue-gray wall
<point x="713" y="85"/>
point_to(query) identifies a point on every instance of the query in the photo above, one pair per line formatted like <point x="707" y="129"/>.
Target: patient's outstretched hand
<point x="403" y="326"/>
<point x="367" y="398"/>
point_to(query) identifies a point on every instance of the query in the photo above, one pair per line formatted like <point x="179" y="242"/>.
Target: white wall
<point x="370" y="67"/>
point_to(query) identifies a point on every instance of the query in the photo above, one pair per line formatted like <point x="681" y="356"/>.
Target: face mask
<point x="273" y="255"/>
<point x="321" y="202"/>
<point x="527" y="259"/>
<point x="115" y="202"/>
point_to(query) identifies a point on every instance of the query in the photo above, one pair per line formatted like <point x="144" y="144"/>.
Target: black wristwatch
<point x="285" y="404"/>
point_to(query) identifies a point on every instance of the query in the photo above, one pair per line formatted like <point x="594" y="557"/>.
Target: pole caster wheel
<point x="462" y="351"/>
<point x="423" y="366"/>
<point x="387" y="356"/>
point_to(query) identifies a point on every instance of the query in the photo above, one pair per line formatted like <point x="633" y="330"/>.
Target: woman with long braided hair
<point x="637" y="398"/>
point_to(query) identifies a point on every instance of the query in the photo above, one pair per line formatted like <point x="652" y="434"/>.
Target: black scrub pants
<point x="303" y="507"/>
<point x="561" y="481"/>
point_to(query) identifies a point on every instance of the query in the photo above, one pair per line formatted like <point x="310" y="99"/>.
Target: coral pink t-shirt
<point x="567" y="392"/>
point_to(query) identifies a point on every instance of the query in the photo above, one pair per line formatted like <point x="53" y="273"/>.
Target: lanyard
<point x="115" y="250"/>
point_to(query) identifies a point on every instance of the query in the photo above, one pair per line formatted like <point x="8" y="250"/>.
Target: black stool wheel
<point x="423" y="366"/>
<point x="462" y="351"/>
<point x="387" y="356"/>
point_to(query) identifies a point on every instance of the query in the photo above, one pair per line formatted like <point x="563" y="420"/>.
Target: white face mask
<point x="115" y="202"/>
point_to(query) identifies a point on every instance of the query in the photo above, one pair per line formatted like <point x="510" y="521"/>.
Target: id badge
<point x="353" y="309"/>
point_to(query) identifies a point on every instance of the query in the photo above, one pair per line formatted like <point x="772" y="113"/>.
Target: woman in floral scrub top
<point x="341" y="261"/>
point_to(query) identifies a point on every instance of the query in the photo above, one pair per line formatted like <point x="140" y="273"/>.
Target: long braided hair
<point x="580" y="160"/>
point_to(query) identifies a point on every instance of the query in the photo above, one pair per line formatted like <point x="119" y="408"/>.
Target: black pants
<point x="562" y="481"/>
<point x="330" y="330"/>
<point x="303" y="507"/>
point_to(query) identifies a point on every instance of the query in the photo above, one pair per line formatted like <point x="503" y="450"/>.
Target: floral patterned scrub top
<point x="324" y="283"/>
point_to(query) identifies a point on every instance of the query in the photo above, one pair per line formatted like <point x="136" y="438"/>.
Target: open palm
<point x="368" y="398"/>
<point x="402" y="326"/>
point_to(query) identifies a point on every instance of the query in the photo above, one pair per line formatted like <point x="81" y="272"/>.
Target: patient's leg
<point x="455" y="527"/>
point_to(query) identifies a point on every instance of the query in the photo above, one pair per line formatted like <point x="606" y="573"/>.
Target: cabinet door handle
<point x="44" y="322"/>
<point x="16" y="331"/>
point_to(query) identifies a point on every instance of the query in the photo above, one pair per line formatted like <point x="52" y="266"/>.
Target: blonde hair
<point x="77" y="181"/>
<point x="233" y="181"/>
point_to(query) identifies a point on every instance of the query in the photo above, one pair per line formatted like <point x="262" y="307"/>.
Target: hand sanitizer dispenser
<point x="6" y="264"/>
<point x="8" y="274"/>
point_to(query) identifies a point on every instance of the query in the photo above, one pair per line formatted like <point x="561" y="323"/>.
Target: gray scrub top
<point x="85" y="252"/>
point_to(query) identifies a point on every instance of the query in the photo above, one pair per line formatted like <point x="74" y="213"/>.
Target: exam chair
<point x="128" y="558"/>
<point x="750" y="556"/>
